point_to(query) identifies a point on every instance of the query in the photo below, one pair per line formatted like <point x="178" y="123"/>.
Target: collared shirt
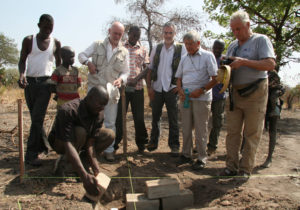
<point x="257" y="47"/>
<point x="137" y="57"/>
<point x="164" y="71"/>
<point x="86" y="54"/>
<point x="196" y="71"/>
<point x="75" y="113"/>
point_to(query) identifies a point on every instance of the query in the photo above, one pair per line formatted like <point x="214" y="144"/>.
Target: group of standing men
<point x="175" y="70"/>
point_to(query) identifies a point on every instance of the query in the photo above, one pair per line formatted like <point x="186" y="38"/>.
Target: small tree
<point x="8" y="54"/>
<point x="149" y="16"/>
<point x="278" y="19"/>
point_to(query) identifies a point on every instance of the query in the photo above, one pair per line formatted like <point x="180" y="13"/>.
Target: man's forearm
<point x="142" y="75"/>
<point x="74" y="158"/>
<point x="148" y="78"/>
<point x="91" y="155"/>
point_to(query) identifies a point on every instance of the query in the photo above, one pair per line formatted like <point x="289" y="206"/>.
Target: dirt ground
<point x="274" y="188"/>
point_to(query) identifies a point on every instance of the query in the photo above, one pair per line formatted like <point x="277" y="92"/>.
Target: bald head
<point x="96" y="99"/>
<point x="116" y="32"/>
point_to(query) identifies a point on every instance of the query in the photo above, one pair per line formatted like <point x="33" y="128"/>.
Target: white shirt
<point x="196" y="71"/>
<point x="164" y="70"/>
<point x="86" y="54"/>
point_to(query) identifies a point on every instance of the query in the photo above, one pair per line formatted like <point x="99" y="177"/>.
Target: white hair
<point x="241" y="15"/>
<point x="192" y="35"/>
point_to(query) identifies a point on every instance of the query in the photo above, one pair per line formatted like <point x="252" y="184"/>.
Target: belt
<point x="36" y="79"/>
<point x="238" y="87"/>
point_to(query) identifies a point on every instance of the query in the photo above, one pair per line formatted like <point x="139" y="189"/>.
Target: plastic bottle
<point x="186" y="103"/>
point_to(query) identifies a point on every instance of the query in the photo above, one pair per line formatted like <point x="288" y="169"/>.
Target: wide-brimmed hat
<point x="223" y="76"/>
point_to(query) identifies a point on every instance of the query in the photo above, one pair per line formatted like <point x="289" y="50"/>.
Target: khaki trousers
<point x="196" y="116"/>
<point x="246" y="119"/>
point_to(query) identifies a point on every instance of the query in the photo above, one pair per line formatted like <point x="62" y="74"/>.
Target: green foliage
<point x="8" y="52"/>
<point x="276" y="18"/>
<point x="10" y="77"/>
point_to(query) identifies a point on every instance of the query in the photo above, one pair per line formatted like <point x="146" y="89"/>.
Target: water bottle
<point x="186" y="103"/>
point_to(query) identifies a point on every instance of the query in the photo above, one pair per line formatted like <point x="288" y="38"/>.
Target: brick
<point x="162" y="188"/>
<point x="177" y="202"/>
<point x="141" y="202"/>
<point x="103" y="182"/>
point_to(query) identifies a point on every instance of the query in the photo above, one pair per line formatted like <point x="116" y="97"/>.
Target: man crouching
<point x="78" y="130"/>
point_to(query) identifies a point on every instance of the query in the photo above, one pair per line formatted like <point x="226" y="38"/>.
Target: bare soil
<point x="276" y="187"/>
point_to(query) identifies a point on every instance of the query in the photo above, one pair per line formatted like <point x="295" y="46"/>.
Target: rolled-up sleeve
<point x="87" y="53"/>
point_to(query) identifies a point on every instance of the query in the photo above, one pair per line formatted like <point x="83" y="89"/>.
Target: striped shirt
<point x="67" y="83"/>
<point x="137" y="57"/>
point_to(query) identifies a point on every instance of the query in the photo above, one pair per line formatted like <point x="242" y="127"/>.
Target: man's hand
<point x="237" y="62"/>
<point x="22" y="81"/>
<point x="118" y="83"/>
<point x="91" y="185"/>
<point x="196" y="93"/>
<point x="151" y="93"/>
<point x="181" y="94"/>
<point x="92" y="68"/>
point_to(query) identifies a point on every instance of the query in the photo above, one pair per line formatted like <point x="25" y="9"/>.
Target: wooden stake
<point x="124" y="120"/>
<point x="21" y="146"/>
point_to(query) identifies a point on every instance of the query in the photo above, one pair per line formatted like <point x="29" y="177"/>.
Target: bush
<point x="9" y="77"/>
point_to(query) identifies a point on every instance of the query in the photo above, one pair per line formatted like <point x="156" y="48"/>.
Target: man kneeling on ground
<point x="77" y="135"/>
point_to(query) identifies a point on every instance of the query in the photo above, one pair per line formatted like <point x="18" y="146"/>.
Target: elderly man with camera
<point x="252" y="56"/>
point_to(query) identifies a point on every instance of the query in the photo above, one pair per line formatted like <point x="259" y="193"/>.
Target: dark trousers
<point x="37" y="95"/>
<point x="170" y="99"/>
<point x="217" y="109"/>
<point x="136" y="100"/>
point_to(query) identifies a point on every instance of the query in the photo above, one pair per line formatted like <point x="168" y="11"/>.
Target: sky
<point x="78" y="23"/>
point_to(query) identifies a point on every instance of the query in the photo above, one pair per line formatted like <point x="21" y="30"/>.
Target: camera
<point x="226" y="61"/>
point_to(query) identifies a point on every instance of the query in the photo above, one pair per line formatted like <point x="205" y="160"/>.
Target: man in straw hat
<point x="252" y="56"/>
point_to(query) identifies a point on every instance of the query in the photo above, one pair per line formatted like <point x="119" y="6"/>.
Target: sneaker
<point x="151" y="147"/>
<point x="183" y="160"/>
<point x="244" y="175"/>
<point x="174" y="152"/>
<point x="198" y="165"/>
<point x="109" y="156"/>
<point x="228" y="172"/>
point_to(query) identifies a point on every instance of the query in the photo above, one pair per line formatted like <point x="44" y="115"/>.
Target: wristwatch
<point x="204" y="90"/>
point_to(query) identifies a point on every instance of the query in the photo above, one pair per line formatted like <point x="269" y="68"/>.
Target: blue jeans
<point x="170" y="99"/>
<point x="37" y="95"/>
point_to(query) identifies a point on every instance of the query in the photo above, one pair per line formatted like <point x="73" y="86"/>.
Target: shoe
<point x="141" y="150"/>
<point x="174" y="152"/>
<point x="151" y="147"/>
<point x="34" y="162"/>
<point x="183" y="160"/>
<point x="244" y="175"/>
<point x="228" y="172"/>
<point x="109" y="156"/>
<point x="195" y="150"/>
<point x="210" y="151"/>
<point x="267" y="164"/>
<point x="198" y="165"/>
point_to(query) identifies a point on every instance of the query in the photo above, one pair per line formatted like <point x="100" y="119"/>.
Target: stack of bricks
<point x="160" y="194"/>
